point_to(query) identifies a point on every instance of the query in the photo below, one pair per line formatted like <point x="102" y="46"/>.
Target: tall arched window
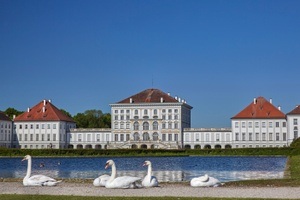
<point x="136" y="137"/>
<point x="146" y="136"/>
<point x="135" y="126"/>
<point x="145" y="126"/>
<point x="155" y="126"/>
<point x="155" y="136"/>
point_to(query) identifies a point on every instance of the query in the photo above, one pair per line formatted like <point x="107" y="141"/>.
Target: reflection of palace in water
<point x="151" y="119"/>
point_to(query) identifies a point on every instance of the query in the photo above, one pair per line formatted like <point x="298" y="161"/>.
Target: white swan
<point x="36" y="180"/>
<point x="149" y="180"/>
<point x="205" y="181"/>
<point x="122" y="181"/>
<point x="101" y="180"/>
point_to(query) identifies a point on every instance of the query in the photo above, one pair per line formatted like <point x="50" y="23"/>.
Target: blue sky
<point x="218" y="55"/>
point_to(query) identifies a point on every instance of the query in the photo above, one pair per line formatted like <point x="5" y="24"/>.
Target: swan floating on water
<point x="205" y="181"/>
<point x="149" y="180"/>
<point x="101" y="180"/>
<point x="122" y="181"/>
<point x="36" y="180"/>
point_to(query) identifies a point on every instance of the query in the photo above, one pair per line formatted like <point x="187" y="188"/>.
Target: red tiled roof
<point x="4" y="117"/>
<point x="41" y="112"/>
<point x="296" y="111"/>
<point x="260" y="109"/>
<point x="150" y="96"/>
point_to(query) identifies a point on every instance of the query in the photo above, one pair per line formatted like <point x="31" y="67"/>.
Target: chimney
<point x="28" y="109"/>
<point x="130" y="100"/>
<point x="169" y="94"/>
<point x="271" y="101"/>
<point x="179" y="99"/>
<point x="44" y="109"/>
<point x="44" y="102"/>
<point x="161" y="100"/>
<point x="254" y="101"/>
<point x="14" y="116"/>
<point x="176" y="97"/>
<point x="49" y="100"/>
<point x="279" y="108"/>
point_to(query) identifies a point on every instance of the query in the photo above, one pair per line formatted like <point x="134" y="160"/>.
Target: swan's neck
<point x="149" y="170"/>
<point x="113" y="173"/>
<point x="28" y="168"/>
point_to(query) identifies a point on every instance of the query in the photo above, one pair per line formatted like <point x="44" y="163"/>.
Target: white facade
<point x="5" y="131"/>
<point x="207" y="138"/>
<point x="41" y="134"/>
<point x="293" y="120"/>
<point x="248" y="133"/>
<point x="91" y="138"/>
<point x="149" y="125"/>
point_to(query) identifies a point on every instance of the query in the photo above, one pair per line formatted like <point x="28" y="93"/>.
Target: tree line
<point x="88" y="119"/>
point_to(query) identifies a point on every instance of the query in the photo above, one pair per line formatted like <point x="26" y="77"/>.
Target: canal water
<point x="166" y="169"/>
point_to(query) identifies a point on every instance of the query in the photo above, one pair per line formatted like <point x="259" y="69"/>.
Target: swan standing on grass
<point x="205" y="181"/>
<point x="122" y="181"/>
<point x="149" y="180"/>
<point x="101" y="180"/>
<point x="36" y="180"/>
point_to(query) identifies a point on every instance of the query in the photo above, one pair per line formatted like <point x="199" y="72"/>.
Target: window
<point x="98" y="137"/>
<point x="155" y="112"/>
<point x="37" y="126"/>
<point x="48" y="137"/>
<point x="122" y="137"/>
<point x="31" y="126"/>
<point x="43" y="126"/>
<point x="176" y="117"/>
<point x="277" y="124"/>
<point x="54" y="137"/>
<point x="163" y="117"/>
<point x="54" y="126"/>
<point x="270" y="136"/>
<point x="155" y="136"/>
<point x="176" y="110"/>
<point x="243" y="136"/>
<point x="116" y="137"/>
<point x="135" y="126"/>
<point x="236" y="136"/>
<point x="250" y="136"/>
<point x="263" y="124"/>
<point x="155" y="126"/>
<point x="263" y="136"/>
<point x="243" y="124"/>
<point x="295" y="134"/>
<point x="236" y="124"/>
<point x="170" y="117"/>
<point x="20" y="137"/>
<point x="20" y="127"/>
<point x="146" y="136"/>
<point x="25" y="139"/>
<point x="256" y="124"/>
<point x="145" y="112"/>
<point x="127" y="125"/>
<point x="145" y="126"/>
<point x="257" y="136"/>
<point x="136" y="137"/>
<point x="197" y="136"/>
<point x="122" y="111"/>
<point x="43" y="137"/>
<point x="283" y="124"/>
<point x="136" y="112"/>
<point x="48" y="126"/>
<point x="31" y="137"/>
<point x="295" y="121"/>
<point x="270" y="124"/>
<point x="170" y="125"/>
<point x="175" y="125"/>
<point x="207" y="137"/>
<point x="26" y="126"/>
<point x="176" y="137"/>
<point x="116" y="117"/>
<point x="116" y="126"/>
<point x="116" y="111"/>
<point x="169" y="137"/>
<point x="250" y="124"/>
<point x="163" y="110"/>
<point x="277" y="136"/>
<point x="218" y="137"/>
<point x="127" y="137"/>
<point x="163" y="126"/>
<point x="163" y="137"/>
<point x="284" y="137"/>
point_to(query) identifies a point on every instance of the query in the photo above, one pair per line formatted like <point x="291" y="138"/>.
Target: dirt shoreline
<point x="165" y="189"/>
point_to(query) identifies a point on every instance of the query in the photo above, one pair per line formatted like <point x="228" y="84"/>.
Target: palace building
<point x="151" y="119"/>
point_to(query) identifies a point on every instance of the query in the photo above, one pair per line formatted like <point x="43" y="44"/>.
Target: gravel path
<point x="178" y="190"/>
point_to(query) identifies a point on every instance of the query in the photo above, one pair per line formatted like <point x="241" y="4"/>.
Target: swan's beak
<point x="106" y="165"/>
<point x="23" y="159"/>
<point x="144" y="164"/>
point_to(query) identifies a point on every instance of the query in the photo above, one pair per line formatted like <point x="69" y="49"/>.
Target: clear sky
<point x="217" y="55"/>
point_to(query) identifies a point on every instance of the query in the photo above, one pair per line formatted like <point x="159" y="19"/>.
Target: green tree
<point x="92" y="119"/>
<point x="66" y="113"/>
<point x="10" y="112"/>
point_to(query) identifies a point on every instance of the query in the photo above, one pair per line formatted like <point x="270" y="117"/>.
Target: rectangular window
<point x="98" y="138"/>
<point x="43" y="137"/>
<point x="26" y="126"/>
<point x="277" y="124"/>
<point x="218" y="137"/>
<point x="243" y="124"/>
<point x="54" y="126"/>
<point x="163" y="137"/>
<point x="263" y="124"/>
<point x="122" y="137"/>
<point x="20" y="137"/>
<point x="284" y="137"/>
<point x="207" y="137"/>
<point x="48" y="126"/>
<point x="48" y="137"/>
<point x="243" y="136"/>
<point x="277" y="136"/>
<point x="236" y="136"/>
<point x="176" y="137"/>
<point x="270" y="136"/>
<point x="31" y="126"/>
<point x="250" y="124"/>
<point x="295" y="121"/>
<point x="283" y="124"/>
<point x="116" y="137"/>
<point x="270" y="124"/>
<point x="37" y="137"/>
<point x="79" y="137"/>
<point x="25" y="137"/>
<point x="250" y="136"/>
<point x="31" y="137"/>
<point x="236" y="124"/>
<point x="263" y="136"/>
<point x="197" y="136"/>
<point x="54" y="137"/>
<point x="256" y="124"/>
<point x="43" y="126"/>
<point x="257" y="136"/>
<point x="169" y="137"/>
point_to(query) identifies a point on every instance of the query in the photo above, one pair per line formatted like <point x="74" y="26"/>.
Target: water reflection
<point x="166" y="169"/>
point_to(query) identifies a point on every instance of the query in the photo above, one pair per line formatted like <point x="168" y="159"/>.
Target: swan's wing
<point x="40" y="180"/>
<point x="211" y="181"/>
<point x="203" y="178"/>
<point x="124" y="181"/>
<point x="101" y="180"/>
<point x="150" y="181"/>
